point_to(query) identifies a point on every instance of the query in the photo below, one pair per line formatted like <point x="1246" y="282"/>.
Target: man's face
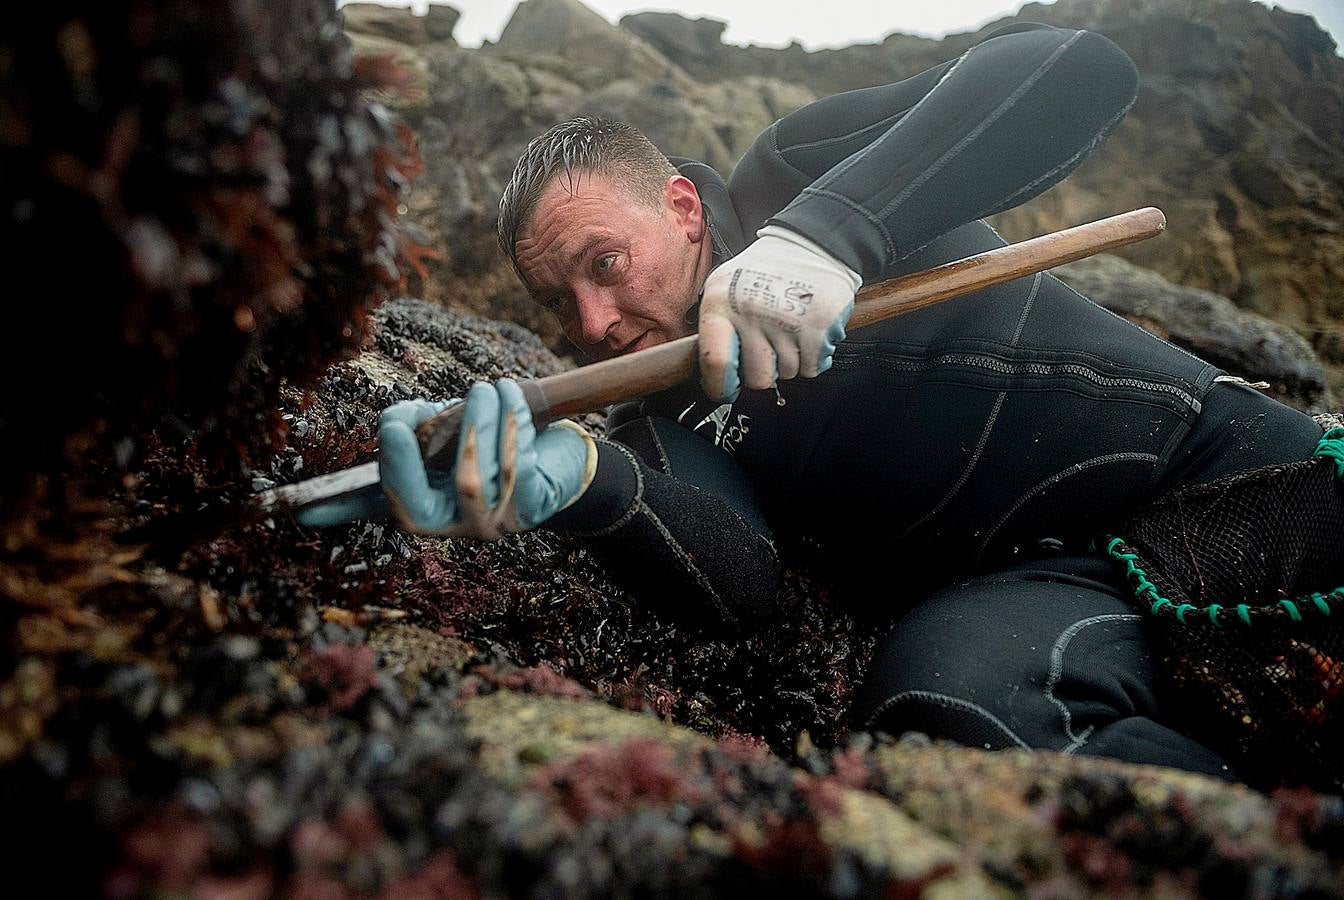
<point x="618" y="272"/>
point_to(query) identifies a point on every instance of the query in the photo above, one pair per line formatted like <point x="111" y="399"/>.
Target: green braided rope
<point x="1321" y="605"/>
<point x="1146" y="591"/>
<point x="1332" y="445"/>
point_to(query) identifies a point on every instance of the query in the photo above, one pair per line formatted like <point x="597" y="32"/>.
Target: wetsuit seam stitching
<point x="947" y="702"/>
<point x="889" y="245"/>
<point x="1182" y="350"/>
<point x="680" y="553"/>
<point x="1026" y="310"/>
<point x="883" y="123"/>
<point x="658" y="446"/>
<point x="1020" y="369"/>
<point x="779" y="154"/>
<point x="690" y="164"/>
<point x="635" y="502"/>
<point x="989" y="423"/>
<point x="894" y="352"/>
<point x="718" y="246"/>
<point x="1086" y="149"/>
<point x="967" y="139"/>
<point x="1076" y="741"/>
<point x="1075" y="469"/>
<point x="966" y="473"/>
<point x="742" y="520"/>
<point x="853" y="160"/>
<point x="739" y="518"/>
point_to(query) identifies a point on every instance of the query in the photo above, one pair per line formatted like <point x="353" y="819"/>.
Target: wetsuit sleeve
<point x="875" y="174"/>
<point x="675" y="519"/>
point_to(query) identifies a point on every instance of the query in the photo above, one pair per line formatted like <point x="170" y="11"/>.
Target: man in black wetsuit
<point x="953" y="463"/>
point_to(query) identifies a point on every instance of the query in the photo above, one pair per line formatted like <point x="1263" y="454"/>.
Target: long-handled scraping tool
<point x="599" y="385"/>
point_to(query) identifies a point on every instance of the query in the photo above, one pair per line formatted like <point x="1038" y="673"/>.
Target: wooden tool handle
<point x="898" y="296"/>
<point x="599" y="385"/>
<point x="438" y="435"/>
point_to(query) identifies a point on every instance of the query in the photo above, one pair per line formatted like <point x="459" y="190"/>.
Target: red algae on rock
<point x="341" y="674"/>
<point x="609" y="780"/>
<point x="539" y="679"/>
<point x="268" y="710"/>
<point x="230" y="198"/>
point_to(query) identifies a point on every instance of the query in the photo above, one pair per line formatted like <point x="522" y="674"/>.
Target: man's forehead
<point x="583" y="188"/>
<point x="560" y="237"/>
<point x="570" y="216"/>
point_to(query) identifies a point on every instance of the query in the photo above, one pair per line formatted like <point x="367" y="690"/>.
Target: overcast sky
<point x="814" y="23"/>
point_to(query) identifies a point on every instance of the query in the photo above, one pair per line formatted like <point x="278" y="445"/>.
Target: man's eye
<point x="604" y="264"/>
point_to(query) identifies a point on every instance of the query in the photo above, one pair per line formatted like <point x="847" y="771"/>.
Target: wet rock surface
<point x="144" y="141"/>
<point x="355" y="711"/>
<point x="194" y="703"/>
<point x="1237" y="134"/>
<point x="1209" y="325"/>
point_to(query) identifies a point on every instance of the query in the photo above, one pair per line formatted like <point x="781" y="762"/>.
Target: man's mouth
<point x="638" y="343"/>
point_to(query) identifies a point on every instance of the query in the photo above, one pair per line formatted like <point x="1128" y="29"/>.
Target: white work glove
<point x="776" y="310"/>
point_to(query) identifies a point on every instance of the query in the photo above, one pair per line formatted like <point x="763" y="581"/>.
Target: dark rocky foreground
<point x="266" y="709"/>
<point x="196" y="704"/>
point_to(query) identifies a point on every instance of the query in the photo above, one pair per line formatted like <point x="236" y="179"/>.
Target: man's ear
<point x="684" y="200"/>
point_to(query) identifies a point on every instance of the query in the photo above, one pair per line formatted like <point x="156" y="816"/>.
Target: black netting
<point x="1245" y="580"/>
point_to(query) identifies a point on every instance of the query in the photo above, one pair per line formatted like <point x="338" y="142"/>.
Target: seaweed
<point x="261" y="709"/>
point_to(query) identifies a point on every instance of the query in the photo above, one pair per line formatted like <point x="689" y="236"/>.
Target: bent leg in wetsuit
<point x="1050" y="653"/>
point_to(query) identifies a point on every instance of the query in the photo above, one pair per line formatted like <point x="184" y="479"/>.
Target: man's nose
<point x="597" y="314"/>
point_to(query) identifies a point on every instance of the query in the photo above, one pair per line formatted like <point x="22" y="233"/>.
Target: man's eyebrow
<point x="586" y="249"/>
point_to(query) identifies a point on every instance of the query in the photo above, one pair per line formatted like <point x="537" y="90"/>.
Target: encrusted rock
<point x="688" y="41"/>
<point x="255" y="709"/>
<point x="401" y="24"/>
<point x="1209" y="325"/>
<point x="475" y="110"/>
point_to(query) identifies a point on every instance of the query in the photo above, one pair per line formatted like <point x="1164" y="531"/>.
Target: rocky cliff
<point x="196" y="703"/>
<point x="1238" y="134"/>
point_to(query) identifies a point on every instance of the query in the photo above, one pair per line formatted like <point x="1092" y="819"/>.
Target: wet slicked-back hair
<point x="579" y="146"/>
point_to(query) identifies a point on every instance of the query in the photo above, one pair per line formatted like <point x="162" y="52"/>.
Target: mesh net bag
<point x="1244" y="578"/>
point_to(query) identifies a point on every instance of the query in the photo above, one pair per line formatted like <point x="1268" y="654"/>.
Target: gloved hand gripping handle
<point x="573" y="393"/>
<point x="623" y="378"/>
<point x="438" y="435"/>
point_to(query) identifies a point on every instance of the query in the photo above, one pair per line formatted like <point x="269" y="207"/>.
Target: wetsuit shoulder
<point x="874" y="174"/>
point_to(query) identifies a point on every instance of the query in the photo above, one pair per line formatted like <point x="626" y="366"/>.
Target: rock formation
<point x="1238" y="134"/>
<point x="475" y="110"/>
<point x="196" y="703"/>
<point x="1207" y="324"/>
<point x="168" y="227"/>
<point x="263" y="709"/>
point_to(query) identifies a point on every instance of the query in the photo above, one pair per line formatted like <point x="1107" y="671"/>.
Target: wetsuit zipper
<point x="1043" y="369"/>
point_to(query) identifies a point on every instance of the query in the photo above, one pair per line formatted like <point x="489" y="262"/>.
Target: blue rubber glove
<point x="776" y="310"/>
<point x="507" y="478"/>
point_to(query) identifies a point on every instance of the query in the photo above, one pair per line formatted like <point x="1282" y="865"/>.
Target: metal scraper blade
<point x="295" y="496"/>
